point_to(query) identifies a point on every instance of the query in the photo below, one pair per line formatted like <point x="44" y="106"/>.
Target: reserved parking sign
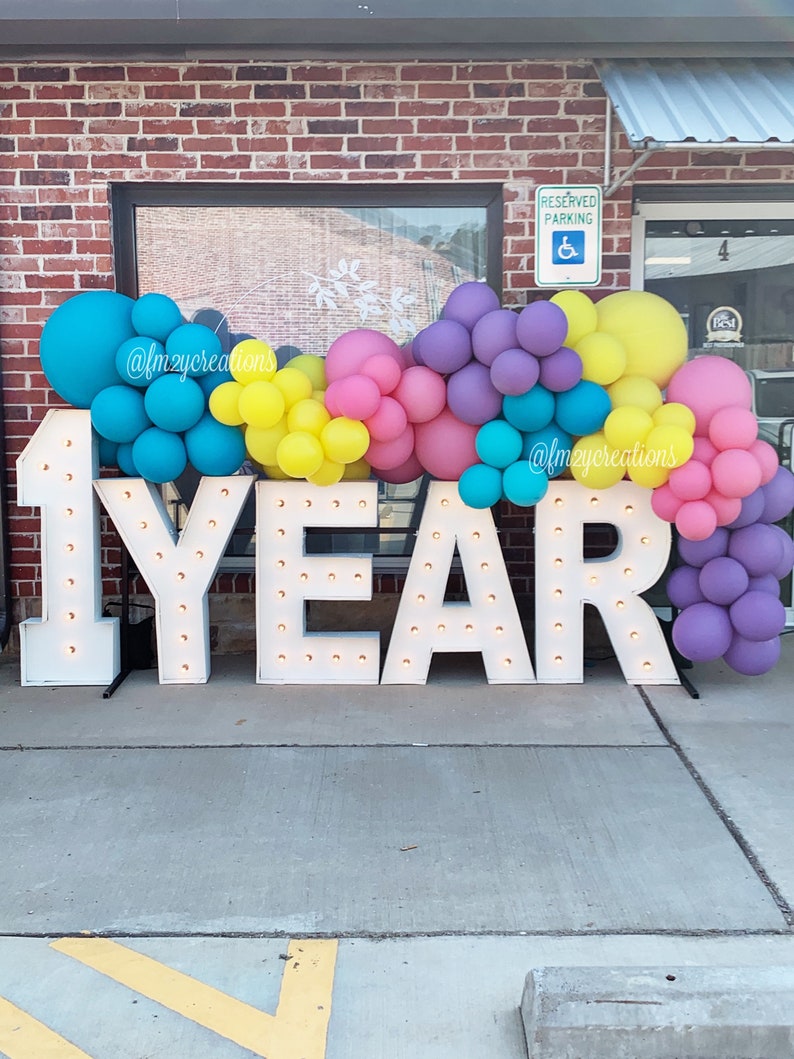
<point x="568" y="235"/>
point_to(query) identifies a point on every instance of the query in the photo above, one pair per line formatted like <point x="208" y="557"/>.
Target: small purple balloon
<point x="783" y="568"/>
<point x="493" y="333"/>
<point x="445" y="346"/>
<point x="752" y="508"/>
<point x="751" y="658"/>
<point x="765" y="583"/>
<point x="514" y="372"/>
<point x="758" y="616"/>
<point x="778" y="496"/>
<point x="698" y="553"/>
<point x="683" y="587"/>
<point x="702" y="632"/>
<point x="722" y="580"/>
<point x="471" y="395"/>
<point x="416" y="353"/>
<point x="561" y="370"/>
<point x="758" y="548"/>
<point x="542" y="328"/>
<point x="468" y="302"/>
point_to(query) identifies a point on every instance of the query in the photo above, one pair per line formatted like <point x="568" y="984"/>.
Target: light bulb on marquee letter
<point x="177" y="568"/>
<point x="71" y="643"/>
<point x="286" y="577"/>
<point x="488" y="623"/>
<point x="565" y="581"/>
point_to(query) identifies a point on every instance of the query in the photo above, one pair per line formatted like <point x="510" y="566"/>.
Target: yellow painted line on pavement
<point x="23" y="1037"/>
<point x="298" y="1030"/>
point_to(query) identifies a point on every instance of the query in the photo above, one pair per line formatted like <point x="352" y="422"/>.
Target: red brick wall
<point x="68" y="130"/>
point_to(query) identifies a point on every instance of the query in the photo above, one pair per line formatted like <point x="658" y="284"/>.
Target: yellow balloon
<point x="627" y="426"/>
<point x="673" y="444"/>
<point x="312" y="366"/>
<point x="263" y="443"/>
<point x="252" y="360"/>
<point x="581" y="313"/>
<point x="595" y="463"/>
<point x="603" y="357"/>
<point x="358" y="471"/>
<point x="224" y="403"/>
<point x="261" y="404"/>
<point x="329" y="473"/>
<point x="293" y="384"/>
<point x="345" y="440"/>
<point x="675" y="415"/>
<point x="308" y="415"/>
<point x="648" y="475"/>
<point x="635" y="390"/>
<point x="276" y="473"/>
<point x="299" y="454"/>
<point x="650" y="329"/>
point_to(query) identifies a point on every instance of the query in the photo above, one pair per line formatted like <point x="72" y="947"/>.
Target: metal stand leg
<point x="124" y="672"/>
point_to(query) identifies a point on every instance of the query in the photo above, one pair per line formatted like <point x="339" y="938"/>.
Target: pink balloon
<point x="385" y="455"/>
<point x="445" y="446"/>
<point x="422" y="393"/>
<point x="704" y="450"/>
<point x="736" y="473"/>
<point x="384" y="370"/>
<point x="330" y="399"/>
<point x="357" y="396"/>
<point x="348" y="354"/>
<point x="707" y="384"/>
<point x="388" y="421"/>
<point x="733" y="428"/>
<point x="406" y="472"/>
<point x="665" y="503"/>
<point x="767" y="459"/>
<point x="727" y="507"/>
<point x="691" y="481"/>
<point x="696" y="520"/>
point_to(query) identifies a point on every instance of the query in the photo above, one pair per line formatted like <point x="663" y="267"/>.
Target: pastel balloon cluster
<point x="727" y="586"/>
<point x="146" y="376"/>
<point x="728" y="462"/>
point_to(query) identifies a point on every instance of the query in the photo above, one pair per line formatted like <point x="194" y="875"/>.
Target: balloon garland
<point x="498" y="400"/>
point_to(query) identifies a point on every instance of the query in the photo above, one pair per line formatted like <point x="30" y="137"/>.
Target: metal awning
<point x="701" y="104"/>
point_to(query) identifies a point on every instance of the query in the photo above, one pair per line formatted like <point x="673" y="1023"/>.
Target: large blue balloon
<point x="549" y="448"/>
<point x="524" y="484"/>
<point x="156" y="315"/>
<point x="530" y="411"/>
<point x="480" y="486"/>
<point x="159" y="455"/>
<point x="175" y="402"/>
<point x="125" y="461"/>
<point x="583" y="409"/>
<point x="79" y="342"/>
<point x="498" y="444"/>
<point x="118" y="413"/>
<point x="141" y="360"/>
<point x="194" y="350"/>
<point x="213" y="448"/>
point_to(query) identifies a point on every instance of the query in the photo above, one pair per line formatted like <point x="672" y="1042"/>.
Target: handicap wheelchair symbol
<point x="567" y="247"/>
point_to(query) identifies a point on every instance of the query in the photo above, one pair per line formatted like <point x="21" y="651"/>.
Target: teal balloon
<point x="524" y="484"/>
<point x="108" y="453"/>
<point x="156" y="315"/>
<point x="215" y="378"/>
<point x="480" y="486"/>
<point x="498" y="444"/>
<point x="583" y="409"/>
<point x="141" y="360"/>
<point x="549" y="448"/>
<point x="175" y="402"/>
<point x="531" y="410"/>
<point x="118" y="413"/>
<point x="125" y="461"/>
<point x="194" y="350"/>
<point x="79" y="342"/>
<point x="214" y="448"/>
<point x="159" y="456"/>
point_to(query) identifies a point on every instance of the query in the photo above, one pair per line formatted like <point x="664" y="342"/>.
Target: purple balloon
<point x="758" y="548"/>
<point x="493" y="333"/>
<point x="445" y="346"/>
<point x="514" y="372"/>
<point x="561" y="370"/>
<point x="472" y="396"/>
<point x="683" y="587"/>
<point x="778" y="496"/>
<point x="764" y="583"/>
<point x="752" y="508"/>
<point x="723" y="580"/>
<point x="751" y="658"/>
<point x="416" y="354"/>
<point x="758" y="616"/>
<point x="698" y="553"/>
<point x="468" y="302"/>
<point x="702" y="632"/>
<point x="542" y="328"/>
<point x="783" y="568"/>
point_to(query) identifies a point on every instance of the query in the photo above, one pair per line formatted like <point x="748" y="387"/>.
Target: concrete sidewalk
<point x="450" y="836"/>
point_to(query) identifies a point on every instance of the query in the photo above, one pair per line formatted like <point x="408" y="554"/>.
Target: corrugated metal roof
<point x="709" y="101"/>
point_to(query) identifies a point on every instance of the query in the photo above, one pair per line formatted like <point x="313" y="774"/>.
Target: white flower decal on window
<point x="344" y="282"/>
